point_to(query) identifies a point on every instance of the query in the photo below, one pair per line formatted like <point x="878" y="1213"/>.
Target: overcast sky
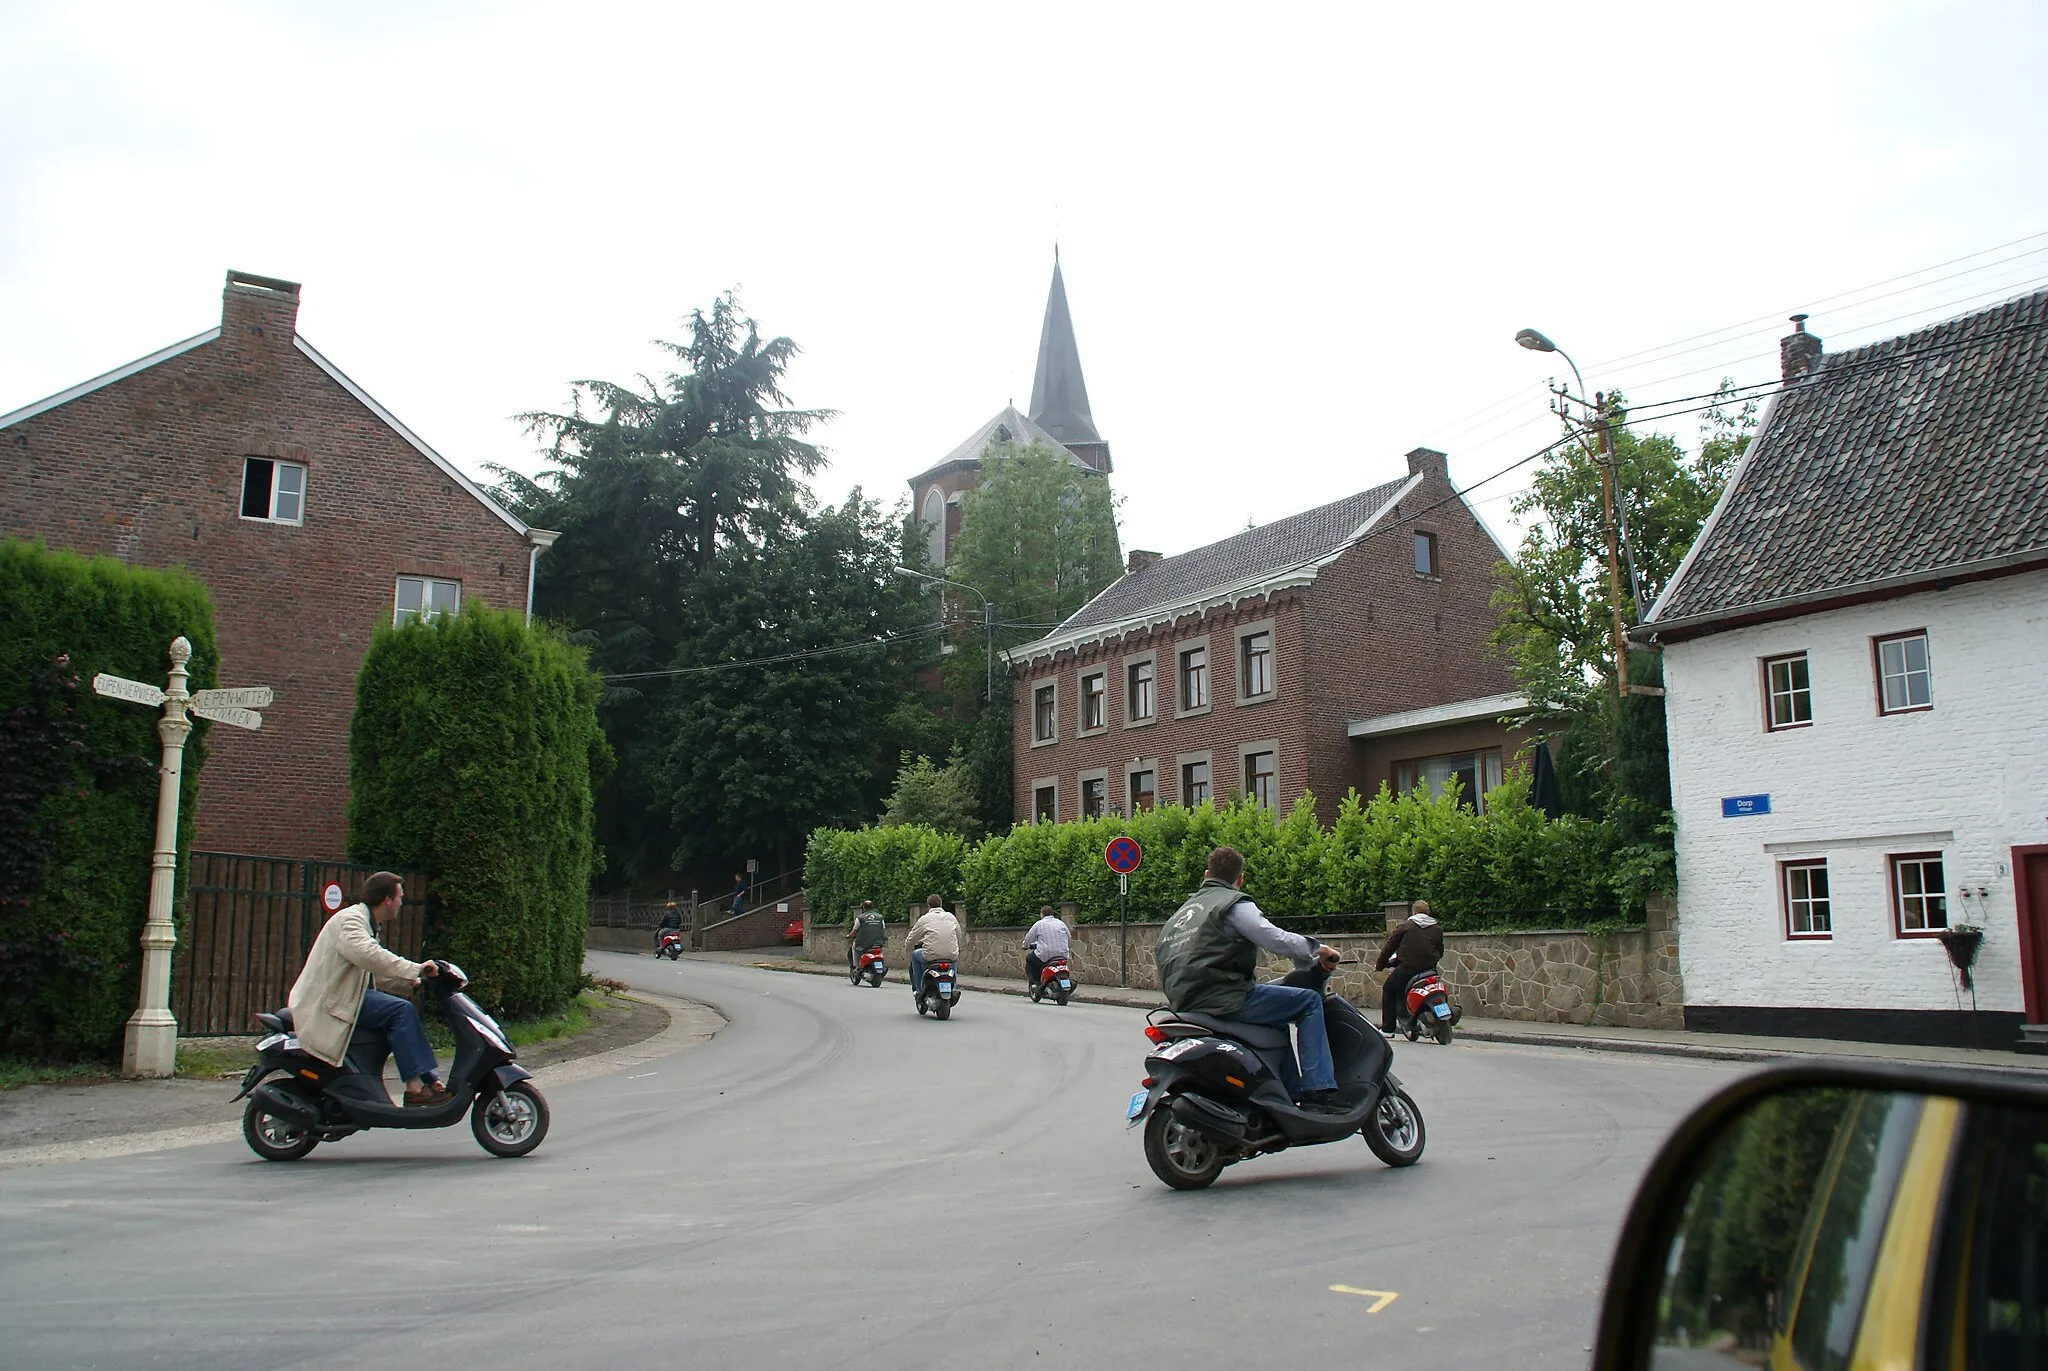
<point x="1297" y="241"/>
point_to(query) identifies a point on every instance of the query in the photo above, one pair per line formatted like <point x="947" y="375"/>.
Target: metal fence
<point x="622" y="911"/>
<point x="248" y="924"/>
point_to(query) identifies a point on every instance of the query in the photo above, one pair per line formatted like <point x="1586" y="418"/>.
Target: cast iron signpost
<point x="1123" y="857"/>
<point x="151" y="1045"/>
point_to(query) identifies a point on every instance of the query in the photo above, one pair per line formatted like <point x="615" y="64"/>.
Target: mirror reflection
<point x="1844" y="1228"/>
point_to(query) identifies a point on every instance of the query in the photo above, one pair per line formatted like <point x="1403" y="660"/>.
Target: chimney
<point x="1427" y="461"/>
<point x="1798" y="351"/>
<point x="258" y="313"/>
<point x="1137" y="561"/>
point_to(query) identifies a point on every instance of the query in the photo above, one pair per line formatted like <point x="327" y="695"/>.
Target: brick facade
<point x="148" y="467"/>
<point x="1367" y="636"/>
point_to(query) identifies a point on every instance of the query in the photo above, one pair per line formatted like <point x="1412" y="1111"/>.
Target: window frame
<point x="1205" y="760"/>
<point x="1488" y="764"/>
<point x="425" y="613"/>
<point x="1039" y="787"/>
<point x="1241" y="663"/>
<point x="1082" y="780"/>
<point x="1052" y="718"/>
<point x="1144" y="766"/>
<point x="1892" y="862"/>
<point x="1150" y="662"/>
<point x="1426" y="539"/>
<point x="1787" y="902"/>
<point x="1245" y="753"/>
<point x="1771" y="724"/>
<point x="276" y="464"/>
<point x="1082" y="728"/>
<point x="1877" y="647"/>
<point x="1181" y="650"/>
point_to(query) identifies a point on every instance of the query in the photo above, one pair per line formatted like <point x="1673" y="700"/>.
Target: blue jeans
<point x="916" y="972"/>
<point x="1280" y="1004"/>
<point x="400" y="1024"/>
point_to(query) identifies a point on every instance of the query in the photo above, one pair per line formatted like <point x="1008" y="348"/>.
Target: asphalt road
<point x="833" y="1182"/>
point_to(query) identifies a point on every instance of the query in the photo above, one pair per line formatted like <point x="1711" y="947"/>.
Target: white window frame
<point x="1794" y="695"/>
<point x="277" y="470"/>
<point x="425" y="612"/>
<point x="1922" y="901"/>
<point x="1815" y="908"/>
<point x="1905" y="675"/>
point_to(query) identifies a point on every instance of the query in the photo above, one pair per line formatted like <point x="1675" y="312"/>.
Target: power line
<point x="799" y="656"/>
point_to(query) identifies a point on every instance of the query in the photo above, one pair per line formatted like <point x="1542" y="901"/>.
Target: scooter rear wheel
<point x="1394" y="1130"/>
<point x="1443" y="1031"/>
<point x="275" y="1139"/>
<point x="1061" y="996"/>
<point x="510" y="1122"/>
<point x="943" y="1009"/>
<point x="875" y="978"/>
<point x="1183" y="1157"/>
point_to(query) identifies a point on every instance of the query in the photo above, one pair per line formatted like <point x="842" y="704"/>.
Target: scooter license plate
<point x="1442" y="1011"/>
<point x="1136" y="1105"/>
<point x="945" y="987"/>
<point x="1066" y="984"/>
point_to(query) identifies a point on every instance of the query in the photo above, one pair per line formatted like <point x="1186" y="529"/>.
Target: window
<point x="1903" y="680"/>
<point x="1258" y="777"/>
<point x="1194" y="782"/>
<point x="1255" y="664"/>
<point x="1094" y="700"/>
<point x="273" y="490"/>
<point x="1475" y="772"/>
<point x="1045" y="714"/>
<point x="1919" y="894"/>
<point x="1144" y="789"/>
<point x="1194" y="678"/>
<point x="1094" y="796"/>
<point x="420" y="597"/>
<point x="1045" y="803"/>
<point x="1806" y="900"/>
<point x="1425" y="554"/>
<point x="1789" y="692"/>
<point x="935" y="526"/>
<point x="1138" y="705"/>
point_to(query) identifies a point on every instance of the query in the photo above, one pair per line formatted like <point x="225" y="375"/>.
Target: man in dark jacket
<point x="1208" y="958"/>
<point x="867" y="930"/>
<point x="1416" y="945"/>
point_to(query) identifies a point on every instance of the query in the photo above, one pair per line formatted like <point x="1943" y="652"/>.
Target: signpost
<point x="150" y="1047"/>
<point x="1122" y="856"/>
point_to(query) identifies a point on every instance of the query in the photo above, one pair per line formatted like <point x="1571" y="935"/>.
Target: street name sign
<point x="234" y="697"/>
<point x="228" y="714"/>
<point x="121" y="688"/>
<point x="1742" y="806"/>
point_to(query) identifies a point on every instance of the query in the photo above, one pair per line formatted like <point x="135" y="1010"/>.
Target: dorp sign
<point x="121" y="688"/>
<point x="226" y="714"/>
<point x="239" y="697"/>
<point x="1742" y="806"/>
<point x="1123" y="855"/>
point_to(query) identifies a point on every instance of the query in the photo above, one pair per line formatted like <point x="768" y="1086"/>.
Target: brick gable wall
<point x="149" y="469"/>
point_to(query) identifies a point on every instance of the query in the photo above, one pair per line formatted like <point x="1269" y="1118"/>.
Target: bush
<point x="895" y="867"/>
<point x="473" y="755"/>
<point x="78" y="787"/>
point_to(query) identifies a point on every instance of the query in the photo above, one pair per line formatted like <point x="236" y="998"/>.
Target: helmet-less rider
<point x="1208" y="957"/>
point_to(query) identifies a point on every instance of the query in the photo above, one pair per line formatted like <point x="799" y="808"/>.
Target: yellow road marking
<point x="1380" y="1298"/>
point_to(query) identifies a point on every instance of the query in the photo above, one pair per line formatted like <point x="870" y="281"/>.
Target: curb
<point x="1082" y="995"/>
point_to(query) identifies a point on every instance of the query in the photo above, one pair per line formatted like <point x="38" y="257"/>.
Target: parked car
<point x="795" y="932"/>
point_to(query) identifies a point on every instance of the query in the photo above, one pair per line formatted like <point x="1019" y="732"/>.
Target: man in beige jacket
<point x="335" y="992"/>
<point x="936" y="935"/>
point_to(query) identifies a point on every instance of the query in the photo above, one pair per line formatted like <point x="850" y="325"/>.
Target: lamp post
<point x="1537" y="342"/>
<point x="988" y="624"/>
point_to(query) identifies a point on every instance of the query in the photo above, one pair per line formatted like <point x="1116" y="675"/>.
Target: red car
<point x="795" y="932"/>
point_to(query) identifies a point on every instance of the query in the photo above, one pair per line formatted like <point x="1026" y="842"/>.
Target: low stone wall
<point x="1628" y="978"/>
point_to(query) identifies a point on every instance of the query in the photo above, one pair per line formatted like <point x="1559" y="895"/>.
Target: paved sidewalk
<point x="1665" y="1042"/>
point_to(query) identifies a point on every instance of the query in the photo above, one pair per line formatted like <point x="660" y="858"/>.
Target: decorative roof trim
<point x="121" y="373"/>
<point x="1435" y="716"/>
<point x="391" y="421"/>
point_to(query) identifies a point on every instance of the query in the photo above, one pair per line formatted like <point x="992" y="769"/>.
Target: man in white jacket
<point x="335" y="992"/>
<point x="935" y="935"/>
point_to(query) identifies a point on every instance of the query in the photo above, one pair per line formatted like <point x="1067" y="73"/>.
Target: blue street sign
<point x="1742" y="806"/>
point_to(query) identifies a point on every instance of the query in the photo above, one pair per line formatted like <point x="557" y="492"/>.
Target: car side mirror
<point x="1839" y="1217"/>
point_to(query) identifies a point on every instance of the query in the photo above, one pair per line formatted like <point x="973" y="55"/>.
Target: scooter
<point x="1055" y="980"/>
<point x="870" y="964"/>
<point x="1218" y="1091"/>
<point x="1429" y="1009"/>
<point x="671" y="944"/>
<point x="939" y="991"/>
<point x="310" y="1102"/>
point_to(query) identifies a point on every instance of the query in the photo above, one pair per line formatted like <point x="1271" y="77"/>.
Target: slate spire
<point x="1059" y="397"/>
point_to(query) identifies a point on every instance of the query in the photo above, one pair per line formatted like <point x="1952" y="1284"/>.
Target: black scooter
<point x="939" y="991"/>
<point x="311" y="1102"/>
<point x="1215" y="1091"/>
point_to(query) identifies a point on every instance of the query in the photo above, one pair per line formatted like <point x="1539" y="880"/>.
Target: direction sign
<point x="236" y="697"/>
<point x="227" y="714"/>
<point x="121" y="688"/>
<point x="1123" y="855"/>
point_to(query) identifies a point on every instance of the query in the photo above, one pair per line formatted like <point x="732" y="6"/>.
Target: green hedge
<point x="78" y="787"/>
<point x="473" y="755"/>
<point x="1476" y="870"/>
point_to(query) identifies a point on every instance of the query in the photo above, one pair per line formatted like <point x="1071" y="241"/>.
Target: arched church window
<point x="935" y="526"/>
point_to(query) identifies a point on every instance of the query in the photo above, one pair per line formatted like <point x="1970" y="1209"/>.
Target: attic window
<point x="273" y="491"/>
<point x="1425" y="554"/>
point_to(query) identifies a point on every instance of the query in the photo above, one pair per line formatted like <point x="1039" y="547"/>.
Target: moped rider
<point x="671" y="918"/>
<point x="1416" y="945"/>
<point x="937" y="934"/>
<point x="335" y="992"/>
<point x="1208" y="958"/>
<point x="1047" y="940"/>
<point x="867" y="930"/>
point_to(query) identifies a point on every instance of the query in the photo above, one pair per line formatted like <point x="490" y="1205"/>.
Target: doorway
<point x="2030" y="890"/>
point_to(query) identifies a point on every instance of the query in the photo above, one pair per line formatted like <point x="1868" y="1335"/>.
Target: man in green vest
<point x="1208" y="957"/>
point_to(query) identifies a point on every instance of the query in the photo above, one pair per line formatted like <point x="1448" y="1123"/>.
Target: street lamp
<point x="988" y="621"/>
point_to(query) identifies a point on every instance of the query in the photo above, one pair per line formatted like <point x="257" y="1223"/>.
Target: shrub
<point x="895" y="867"/>
<point x="473" y="755"/>
<point x="78" y="787"/>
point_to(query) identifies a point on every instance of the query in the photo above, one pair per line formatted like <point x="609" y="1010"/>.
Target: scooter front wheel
<point x="1185" y="1158"/>
<point x="510" y="1122"/>
<point x="1394" y="1130"/>
<point x="275" y="1139"/>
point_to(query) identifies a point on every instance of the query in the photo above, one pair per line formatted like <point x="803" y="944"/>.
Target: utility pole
<point x="1613" y="574"/>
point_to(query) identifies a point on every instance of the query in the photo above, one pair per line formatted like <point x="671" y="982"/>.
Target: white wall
<point x="1853" y="787"/>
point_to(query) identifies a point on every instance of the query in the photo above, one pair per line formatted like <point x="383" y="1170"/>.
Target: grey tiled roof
<point x="1010" y="425"/>
<point x="1921" y="454"/>
<point x="1268" y="551"/>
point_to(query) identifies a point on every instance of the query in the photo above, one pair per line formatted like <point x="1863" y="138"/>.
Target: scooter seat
<point x="1250" y="1034"/>
<point x="281" y="1020"/>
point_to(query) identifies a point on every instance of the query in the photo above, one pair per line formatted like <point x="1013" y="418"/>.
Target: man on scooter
<point x="1208" y="958"/>
<point x="1047" y="940"/>
<point x="868" y="930"/>
<point x="671" y="917"/>
<point x="936" y="932"/>
<point x="335" y="994"/>
<point x="1416" y="945"/>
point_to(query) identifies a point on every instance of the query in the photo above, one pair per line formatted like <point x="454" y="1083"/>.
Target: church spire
<point x="1059" y="397"/>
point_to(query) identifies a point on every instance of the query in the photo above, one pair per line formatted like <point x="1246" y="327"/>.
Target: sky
<point x="1297" y="241"/>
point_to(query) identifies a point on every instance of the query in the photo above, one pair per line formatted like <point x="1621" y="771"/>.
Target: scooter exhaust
<point x="285" y="1105"/>
<point x="1219" y="1121"/>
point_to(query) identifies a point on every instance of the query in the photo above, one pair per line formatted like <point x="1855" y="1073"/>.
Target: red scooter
<point x="671" y="944"/>
<point x="869" y="966"/>
<point x="1429" y="1009"/>
<point x="1055" y="980"/>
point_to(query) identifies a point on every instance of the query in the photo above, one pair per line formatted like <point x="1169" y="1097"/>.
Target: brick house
<point x="1336" y="648"/>
<point x="311" y="513"/>
<point x="1854" y="651"/>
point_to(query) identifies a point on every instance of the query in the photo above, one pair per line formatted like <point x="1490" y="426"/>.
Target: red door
<point x="2030" y="887"/>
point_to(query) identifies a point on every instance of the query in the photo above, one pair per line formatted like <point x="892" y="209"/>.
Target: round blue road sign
<point x="1123" y="855"/>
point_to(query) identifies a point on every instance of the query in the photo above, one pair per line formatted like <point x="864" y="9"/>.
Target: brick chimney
<point x="258" y="313"/>
<point x="1137" y="561"/>
<point x="1427" y="461"/>
<point x="1798" y="351"/>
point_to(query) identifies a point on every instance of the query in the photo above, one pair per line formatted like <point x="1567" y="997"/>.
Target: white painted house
<point x="1856" y="674"/>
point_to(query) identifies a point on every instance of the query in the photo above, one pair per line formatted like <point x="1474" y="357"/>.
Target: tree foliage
<point x="932" y="796"/>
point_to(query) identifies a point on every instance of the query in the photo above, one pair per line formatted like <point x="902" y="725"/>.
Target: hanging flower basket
<point x="1962" y="942"/>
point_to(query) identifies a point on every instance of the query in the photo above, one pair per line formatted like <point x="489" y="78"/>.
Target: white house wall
<point x="1854" y="787"/>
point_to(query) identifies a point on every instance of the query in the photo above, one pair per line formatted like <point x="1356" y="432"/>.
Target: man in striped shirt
<point x="1047" y="940"/>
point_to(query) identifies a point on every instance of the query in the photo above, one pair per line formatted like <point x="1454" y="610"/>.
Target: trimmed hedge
<point x="1475" y="869"/>
<point x="473" y="754"/>
<point x="78" y="787"/>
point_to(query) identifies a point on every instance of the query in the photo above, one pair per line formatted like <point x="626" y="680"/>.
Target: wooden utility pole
<point x="1613" y="573"/>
